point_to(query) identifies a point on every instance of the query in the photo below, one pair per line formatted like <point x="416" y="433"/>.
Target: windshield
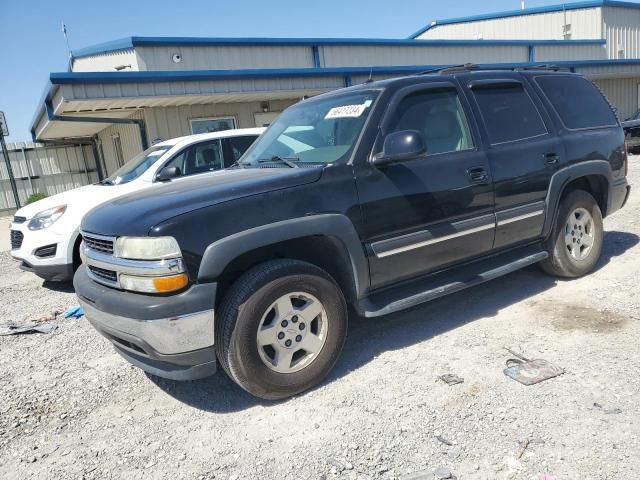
<point x="315" y="132"/>
<point x="137" y="165"/>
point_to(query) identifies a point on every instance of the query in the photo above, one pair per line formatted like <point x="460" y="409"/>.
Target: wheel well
<point x="596" y="185"/>
<point x="322" y="251"/>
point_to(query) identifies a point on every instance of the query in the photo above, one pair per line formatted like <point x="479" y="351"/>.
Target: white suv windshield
<point x="313" y="132"/>
<point x="137" y="165"/>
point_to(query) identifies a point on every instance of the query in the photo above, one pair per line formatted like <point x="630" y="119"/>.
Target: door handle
<point x="551" y="158"/>
<point x="478" y="175"/>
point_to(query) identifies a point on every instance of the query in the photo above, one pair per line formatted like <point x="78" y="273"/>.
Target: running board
<point x="409" y="294"/>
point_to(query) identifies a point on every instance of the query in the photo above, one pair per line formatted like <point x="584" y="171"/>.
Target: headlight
<point x="46" y="218"/>
<point x="147" y="248"/>
<point x="166" y="284"/>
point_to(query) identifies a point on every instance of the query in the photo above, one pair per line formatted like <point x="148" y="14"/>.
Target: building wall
<point x="622" y="30"/>
<point x="170" y="122"/>
<point x="224" y="57"/>
<point x="129" y="139"/>
<point x="558" y="53"/>
<point x="106" y="62"/>
<point x="622" y="93"/>
<point x="585" y="24"/>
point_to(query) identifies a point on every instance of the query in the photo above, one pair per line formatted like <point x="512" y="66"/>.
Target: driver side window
<point x="438" y="115"/>
<point x="199" y="158"/>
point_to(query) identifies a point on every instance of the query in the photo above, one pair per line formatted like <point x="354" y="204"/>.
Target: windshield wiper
<point x="106" y="181"/>
<point x="288" y="161"/>
<point x="235" y="164"/>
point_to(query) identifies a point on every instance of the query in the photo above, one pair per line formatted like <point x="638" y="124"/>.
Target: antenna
<point x="370" y="79"/>
<point x="66" y="37"/>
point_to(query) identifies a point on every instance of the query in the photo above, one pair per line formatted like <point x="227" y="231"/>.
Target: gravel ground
<point x="70" y="407"/>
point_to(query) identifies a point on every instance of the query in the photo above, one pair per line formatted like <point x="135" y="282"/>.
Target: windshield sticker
<point x="346" y="111"/>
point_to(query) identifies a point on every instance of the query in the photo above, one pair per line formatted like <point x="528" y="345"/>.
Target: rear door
<point x="433" y="210"/>
<point x="234" y="147"/>
<point x="523" y="152"/>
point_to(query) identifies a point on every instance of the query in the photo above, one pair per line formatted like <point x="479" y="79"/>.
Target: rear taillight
<point x="626" y="158"/>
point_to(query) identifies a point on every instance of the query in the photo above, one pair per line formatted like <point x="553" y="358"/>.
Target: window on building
<point x="117" y="148"/>
<point x="235" y="147"/>
<point x="439" y="116"/>
<point x="508" y="112"/>
<point x="207" y="125"/>
<point x="578" y="101"/>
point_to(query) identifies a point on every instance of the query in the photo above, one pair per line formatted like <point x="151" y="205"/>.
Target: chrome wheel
<point x="292" y="332"/>
<point x="579" y="233"/>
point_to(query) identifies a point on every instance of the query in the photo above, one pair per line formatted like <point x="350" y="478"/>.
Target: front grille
<point x="109" y="275"/>
<point x="48" y="251"/>
<point x="16" y="239"/>
<point x="98" y="244"/>
<point x="17" y="219"/>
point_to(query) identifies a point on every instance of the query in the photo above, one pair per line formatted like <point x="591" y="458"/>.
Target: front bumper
<point x="57" y="267"/>
<point x="168" y="336"/>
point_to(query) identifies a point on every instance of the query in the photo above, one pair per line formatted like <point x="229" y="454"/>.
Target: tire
<point x="258" y="301"/>
<point x="569" y="256"/>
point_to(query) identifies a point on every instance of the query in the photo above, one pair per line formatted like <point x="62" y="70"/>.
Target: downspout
<point x="122" y="121"/>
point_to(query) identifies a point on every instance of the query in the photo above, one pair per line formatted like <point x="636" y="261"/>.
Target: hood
<point x="79" y="200"/>
<point x="137" y="213"/>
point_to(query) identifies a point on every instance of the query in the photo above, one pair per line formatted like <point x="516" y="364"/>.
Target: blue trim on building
<point x="315" y="52"/>
<point x="76" y="78"/>
<point x="528" y="11"/>
<point x="132" y="42"/>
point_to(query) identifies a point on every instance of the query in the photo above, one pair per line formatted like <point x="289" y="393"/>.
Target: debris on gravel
<point x="70" y="407"/>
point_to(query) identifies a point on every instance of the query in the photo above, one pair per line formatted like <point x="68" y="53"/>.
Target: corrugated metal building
<point x="127" y="93"/>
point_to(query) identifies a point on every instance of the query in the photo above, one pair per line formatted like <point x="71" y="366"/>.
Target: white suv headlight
<point x="146" y="248"/>
<point x="46" y="218"/>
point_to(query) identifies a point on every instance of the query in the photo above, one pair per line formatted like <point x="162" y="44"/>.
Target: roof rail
<point x="468" y="67"/>
<point x="463" y="67"/>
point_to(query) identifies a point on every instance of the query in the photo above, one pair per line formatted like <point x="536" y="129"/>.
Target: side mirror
<point x="398" y="146"/>
<point x="168" y="173"/>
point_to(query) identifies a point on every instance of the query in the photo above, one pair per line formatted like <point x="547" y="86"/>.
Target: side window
<point x="439" y="116"/>
<point x="235" y="147"/>
<point x="577" y="101"/>
<point x="508" y="113"/>
<point x="200" y="158"/>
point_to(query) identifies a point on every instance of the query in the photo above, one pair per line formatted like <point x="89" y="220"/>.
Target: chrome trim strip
<point x="134" y="267"/>
<point x="167" y="336"/>
<point x="99" y="237"/>
<point x="506" y="221"/>
<point x="431" y="241"/>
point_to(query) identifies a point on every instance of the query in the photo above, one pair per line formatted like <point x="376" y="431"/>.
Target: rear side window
<point x="577" y="101"/>
<point x="235" y="148"/>
<point x="508" y="113"/>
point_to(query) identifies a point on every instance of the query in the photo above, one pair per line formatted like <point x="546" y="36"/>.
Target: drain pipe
<point x="126" y="121"/>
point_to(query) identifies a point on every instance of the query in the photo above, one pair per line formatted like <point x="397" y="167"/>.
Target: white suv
<point x="44" y="234"/>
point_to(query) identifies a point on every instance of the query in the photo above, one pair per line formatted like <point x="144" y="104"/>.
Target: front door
<point x="433" y="210"/>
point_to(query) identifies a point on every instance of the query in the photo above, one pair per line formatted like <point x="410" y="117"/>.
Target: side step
<point x="409" y="294"/>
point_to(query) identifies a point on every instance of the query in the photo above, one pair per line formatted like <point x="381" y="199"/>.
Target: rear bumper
<point x="171" y="337"/>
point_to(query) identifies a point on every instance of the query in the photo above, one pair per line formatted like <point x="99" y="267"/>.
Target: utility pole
<point x="4" y="132"/>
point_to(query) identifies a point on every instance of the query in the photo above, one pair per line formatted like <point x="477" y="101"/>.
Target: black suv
<point x="381" y="196"/>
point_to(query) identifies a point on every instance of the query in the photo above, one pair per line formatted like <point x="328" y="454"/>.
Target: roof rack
<point x="467" y="67"/>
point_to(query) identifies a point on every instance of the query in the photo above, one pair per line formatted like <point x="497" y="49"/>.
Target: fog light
<point x="154" y="284"/>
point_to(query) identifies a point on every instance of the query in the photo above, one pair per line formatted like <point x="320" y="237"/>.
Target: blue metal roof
<point x="132" y="42"/>
<point x="529" y="11"/>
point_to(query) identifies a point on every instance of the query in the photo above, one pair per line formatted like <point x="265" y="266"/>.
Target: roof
<point x="129" y="43"/>
<point x="528" y="11"/>
<point x="200" y="137"/>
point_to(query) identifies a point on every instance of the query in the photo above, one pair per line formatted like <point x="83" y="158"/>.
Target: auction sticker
<point x="347" y="111"/>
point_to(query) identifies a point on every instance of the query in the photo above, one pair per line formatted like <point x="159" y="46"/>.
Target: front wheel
<point x="281" y="328"/>
<point x="575" y="242"/>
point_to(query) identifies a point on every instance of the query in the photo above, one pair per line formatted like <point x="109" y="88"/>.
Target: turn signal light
<point x="170" y="284"/>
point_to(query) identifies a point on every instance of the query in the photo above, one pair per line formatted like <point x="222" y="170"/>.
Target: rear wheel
<point x="281" y="328"/>
<point x="576" y="241"/>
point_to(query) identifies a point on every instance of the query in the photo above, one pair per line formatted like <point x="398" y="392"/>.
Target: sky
<point x="33" y="43"/>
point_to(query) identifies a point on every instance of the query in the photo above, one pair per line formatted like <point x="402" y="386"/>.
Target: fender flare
<point x="222" y="252"/>
<point x="563" y="177"/>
